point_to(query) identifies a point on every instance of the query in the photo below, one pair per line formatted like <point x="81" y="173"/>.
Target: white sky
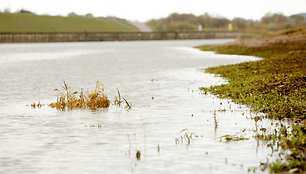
<point x="143" y="10"/>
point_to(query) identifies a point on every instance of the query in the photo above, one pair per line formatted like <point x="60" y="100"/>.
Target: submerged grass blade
<point x="128" y="105"/>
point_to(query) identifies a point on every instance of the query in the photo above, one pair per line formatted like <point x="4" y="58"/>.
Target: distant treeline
<point x="189" y="22"/>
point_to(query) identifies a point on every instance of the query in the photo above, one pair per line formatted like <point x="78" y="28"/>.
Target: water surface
<point x="160" y="78"/>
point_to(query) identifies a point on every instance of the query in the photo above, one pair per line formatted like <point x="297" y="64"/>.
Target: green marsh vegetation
<point x="275" y="85"/>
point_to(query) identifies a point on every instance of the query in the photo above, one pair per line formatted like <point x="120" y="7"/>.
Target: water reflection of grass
<point x="274" y="86"/>
<point x="186" y="137"/>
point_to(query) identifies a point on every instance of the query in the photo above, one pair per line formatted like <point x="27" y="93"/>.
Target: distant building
<point x="72" y="14"/>
<point x="200" y="27"/>
<point x="230" y="27"/>
<point x="25" y="11"/>
<point x="89" y="15"/>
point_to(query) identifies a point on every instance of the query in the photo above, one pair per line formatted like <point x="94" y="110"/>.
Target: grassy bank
<point x="27" y="23"/>
<point x="275" y="85"/>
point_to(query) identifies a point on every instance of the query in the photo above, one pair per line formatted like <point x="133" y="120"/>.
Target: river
<point x="160" y="78"/>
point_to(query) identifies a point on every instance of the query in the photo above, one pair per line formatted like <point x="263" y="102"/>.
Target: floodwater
<point x="160" y="78"/>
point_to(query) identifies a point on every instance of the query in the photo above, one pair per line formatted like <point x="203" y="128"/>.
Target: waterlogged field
<point x="171" y="126"/>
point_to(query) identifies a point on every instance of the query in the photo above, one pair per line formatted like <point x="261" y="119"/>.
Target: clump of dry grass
<point x="85" y="100"/>
<point x="80" y="100"/>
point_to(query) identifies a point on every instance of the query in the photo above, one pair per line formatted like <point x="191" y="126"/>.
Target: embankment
<point x="110" y="36"/>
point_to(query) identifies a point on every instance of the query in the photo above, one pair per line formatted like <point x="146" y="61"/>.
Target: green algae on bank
<point x="275" y="85"/>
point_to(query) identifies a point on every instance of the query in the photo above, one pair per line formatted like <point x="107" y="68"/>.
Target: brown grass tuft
<point x="90" y="99"/>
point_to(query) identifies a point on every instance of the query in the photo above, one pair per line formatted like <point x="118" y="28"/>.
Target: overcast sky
<point x="143" y="10"/>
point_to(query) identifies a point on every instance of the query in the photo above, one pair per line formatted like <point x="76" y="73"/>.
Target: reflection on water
<point x="172" y="128"/>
